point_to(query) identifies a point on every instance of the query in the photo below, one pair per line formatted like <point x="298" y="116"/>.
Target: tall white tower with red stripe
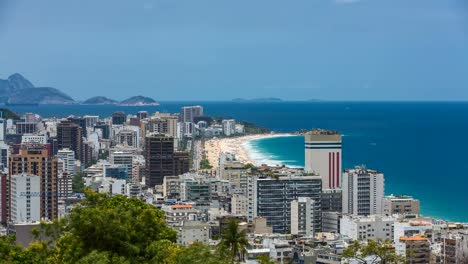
<point x="323" y="156"/>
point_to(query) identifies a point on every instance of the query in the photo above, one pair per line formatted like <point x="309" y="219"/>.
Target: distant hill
<point x="269" y="99"/>
<point x="100" y="100"/>
<point x="8" y="114"/>
<point x="138" y="101"/>
<point x="18" y="90"/>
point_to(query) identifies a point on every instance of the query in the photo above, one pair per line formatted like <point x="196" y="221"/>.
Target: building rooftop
<point x="414" y="238"/>
<point x="182" y="206"/>
<point x="319" y="131"/>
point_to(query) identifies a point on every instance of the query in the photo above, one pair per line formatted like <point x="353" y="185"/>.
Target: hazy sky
<point x="222" y="49"/>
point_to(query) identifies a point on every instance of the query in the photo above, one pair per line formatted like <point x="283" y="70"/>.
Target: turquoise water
<point x="420" y="147"/>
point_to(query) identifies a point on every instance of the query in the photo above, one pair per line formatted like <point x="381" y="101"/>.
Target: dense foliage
<point x="250" y="128"/>
<point x="107" y="230"/>
<point x="78" y="183"/>
<point x="372" y="252"/>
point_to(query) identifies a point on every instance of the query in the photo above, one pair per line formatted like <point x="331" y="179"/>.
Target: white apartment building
<point x="190" y="232"/>
<point x="374" y="227"/>
<point x="175" y="214"/>
<point x="118" y="187"/>
<point x="91" y="120"/>
<point x="33" y="139"/>
<point x="67" y="156"/>
<point x="189" y="112"/>
<point x="323" y="156"/>
<point x="363" y="191"/>
<point x="229" y="127"/>
<point x="3" y="129"/>
<point x="302" y="216"/>
<point x="25" y="198"/>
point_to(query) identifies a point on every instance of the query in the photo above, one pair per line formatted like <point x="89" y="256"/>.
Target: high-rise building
<point x="67" y="156"/>
<point x="159" y="156"/>
<point x="142" y="114"/>
<point x="24" y="127"/>
<point x="4" y="152"/>
<point x="81" y="122"/>
<point x="163" y="123"/>
<point x="118" y="118"/>
<point x="229" y="127"/>
<point x="25" y="198"/>
<point x="91" y="121"/>
<point x="272" y="199"/>
<point x="122" y="158"/>
<point x="104" y="128"/>
<point x="189" y="112"/>
<point x="69" y="135"/>
<point x="363" y="191"/>
<point x="35" y="160"/>
<point x="3" y="197"/>
<point x="3" y="126"/>
<point x="323" y="156"/>
<point x="127" y="138"/>
<point x="302" y="216"/>
<point x="181" y="162"/>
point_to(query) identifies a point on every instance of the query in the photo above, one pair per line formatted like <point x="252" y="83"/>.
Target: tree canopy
<point x="105" y="230"/>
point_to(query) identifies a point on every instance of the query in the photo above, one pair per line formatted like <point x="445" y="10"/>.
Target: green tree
<point x="107" y="230"/>
<point x="378" y="252"/>
<point x="199" y="253"/>
<point x="78" y="183"/>
<point x="233" y="241"/>
<point x="205" y="164"/>
<point x="118" y="225"/>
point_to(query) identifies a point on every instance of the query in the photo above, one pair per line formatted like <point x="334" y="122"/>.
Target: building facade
<point x="25" y="198"/>
<point x="35" y="160"/>
<point x="363" y="191"/>
<point x="323" y="156"/>
<point x="272" y="199"/>
<point x="159" y="156"/>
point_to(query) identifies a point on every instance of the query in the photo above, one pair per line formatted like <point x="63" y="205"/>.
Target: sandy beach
<point x="235" y="145"/>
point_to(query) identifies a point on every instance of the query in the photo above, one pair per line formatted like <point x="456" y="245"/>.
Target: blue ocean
<point x="421" y="147"/>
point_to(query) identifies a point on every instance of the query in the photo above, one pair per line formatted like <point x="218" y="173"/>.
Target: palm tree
<point x="234" y="240"/>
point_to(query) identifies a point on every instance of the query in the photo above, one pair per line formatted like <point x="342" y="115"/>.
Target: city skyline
<point x="212" y="50"/>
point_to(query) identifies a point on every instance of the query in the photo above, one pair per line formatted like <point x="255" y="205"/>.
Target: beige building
<point x="417" y="249"/>
<point x="239" y="204"/>
<point x="236" y="173"/>
<point x="400" y="204"/>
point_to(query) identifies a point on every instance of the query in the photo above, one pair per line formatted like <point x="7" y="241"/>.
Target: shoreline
<point x="239" y="146"/>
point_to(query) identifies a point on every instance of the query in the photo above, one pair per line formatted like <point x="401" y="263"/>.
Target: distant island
<point x="100" y="100"/>
<point x="269" y="99"/>
<point x="132" y="101"/>
<point x="17" y="90"/>
<point x="139" y="101"/>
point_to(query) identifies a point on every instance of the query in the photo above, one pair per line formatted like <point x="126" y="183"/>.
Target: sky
<point x="224" y="49"/>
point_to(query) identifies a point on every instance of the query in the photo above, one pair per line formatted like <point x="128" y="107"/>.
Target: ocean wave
<point x="259" y="157"/>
